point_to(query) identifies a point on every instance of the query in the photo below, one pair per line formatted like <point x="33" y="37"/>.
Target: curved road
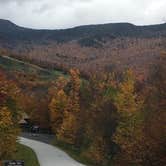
<point x="49" y="155"/>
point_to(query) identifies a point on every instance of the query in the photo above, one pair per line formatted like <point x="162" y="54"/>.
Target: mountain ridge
<point x="15" y="33"/>
<point x="79" y="26"/>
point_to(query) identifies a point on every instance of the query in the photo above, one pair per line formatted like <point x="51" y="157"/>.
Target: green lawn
<point x="72" y="152"/>
<point x="27" y="155"/>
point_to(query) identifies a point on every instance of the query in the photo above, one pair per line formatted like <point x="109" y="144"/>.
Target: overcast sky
<point x="53" y="14"/>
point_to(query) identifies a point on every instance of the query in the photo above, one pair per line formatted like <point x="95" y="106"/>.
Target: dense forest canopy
<point x="111" y="118"/>
<point x="101" y="90"/>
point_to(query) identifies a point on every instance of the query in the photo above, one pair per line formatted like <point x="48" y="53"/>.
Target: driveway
<point x="49" y="155"/>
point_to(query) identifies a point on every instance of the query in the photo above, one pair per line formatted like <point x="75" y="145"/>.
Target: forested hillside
<point x="107" y="47"/>
<point x="109" y="119"/>
<point x="100" y="90"/>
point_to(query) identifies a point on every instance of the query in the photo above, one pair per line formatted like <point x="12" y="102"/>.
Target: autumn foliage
<point x="9" y="117"/>
<point x="107" y="119"/>
<point x="65" y="110"/>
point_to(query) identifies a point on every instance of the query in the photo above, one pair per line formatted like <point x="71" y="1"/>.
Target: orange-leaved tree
<point x="8" y="134"/>
<point x="9" y="116"/>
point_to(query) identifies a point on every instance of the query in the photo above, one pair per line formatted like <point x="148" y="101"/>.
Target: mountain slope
<point x="11" y="65"/>
<point x="90" y="48"/>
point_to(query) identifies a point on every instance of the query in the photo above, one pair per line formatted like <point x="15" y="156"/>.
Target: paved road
<point x="49" y="155"/>
<point x="45" y="138"/>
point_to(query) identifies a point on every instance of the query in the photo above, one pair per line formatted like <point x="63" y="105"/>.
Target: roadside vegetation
<point x="26" y="154"/>
<point x="109" y="119"/>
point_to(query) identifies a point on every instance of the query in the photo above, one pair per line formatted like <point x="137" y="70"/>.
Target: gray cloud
<point x="68" y="13"/>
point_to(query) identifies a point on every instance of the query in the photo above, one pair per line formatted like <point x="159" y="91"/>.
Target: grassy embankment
<point x="26" y="154"/>
<point x="72" y="152"/>
<point x="13" y="65"/>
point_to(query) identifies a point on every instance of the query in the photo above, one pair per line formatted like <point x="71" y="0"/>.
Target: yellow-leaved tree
<point x="58" y="106"/>
<point x="69" y="131"/>
<point x="129" y="130"/>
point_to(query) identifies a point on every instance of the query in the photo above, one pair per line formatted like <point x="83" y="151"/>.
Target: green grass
<point x="10" y="64"/>
<point x="76" y="153"/>
<point x="27" y="155"/>
<point x="72" y="152"/>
